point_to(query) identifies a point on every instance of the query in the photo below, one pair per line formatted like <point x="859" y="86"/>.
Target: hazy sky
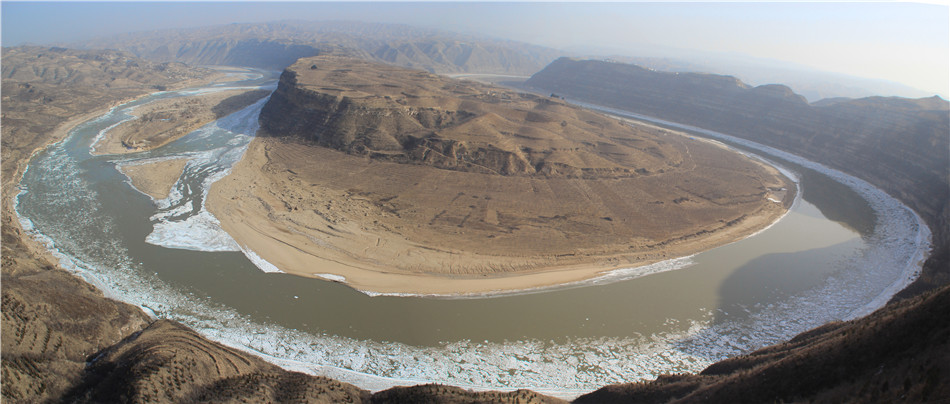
<point x="903" y="42"/>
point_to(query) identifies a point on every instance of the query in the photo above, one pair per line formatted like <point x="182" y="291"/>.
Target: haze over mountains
<point x="900" y="145"/>
<point x="811" y="83"/>
<point x="276" y="45"/>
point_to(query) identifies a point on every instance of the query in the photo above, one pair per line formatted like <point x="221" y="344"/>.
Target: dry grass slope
<point x="394" y="170"/>
<point x="52" y="323"/>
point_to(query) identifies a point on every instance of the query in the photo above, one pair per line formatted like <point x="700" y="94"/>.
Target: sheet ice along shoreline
<point x="61" y="204"/>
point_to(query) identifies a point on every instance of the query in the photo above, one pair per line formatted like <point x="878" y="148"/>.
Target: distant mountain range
<point x="277" y="45"/>
<point x="64" y="341"/>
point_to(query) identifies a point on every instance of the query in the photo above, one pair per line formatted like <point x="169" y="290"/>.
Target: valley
<point x="646" y="255"/>
<point x="382" y="176"/>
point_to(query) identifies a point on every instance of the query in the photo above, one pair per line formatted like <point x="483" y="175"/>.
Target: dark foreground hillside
<point x="62" y="341"/>
<point x="900" y="353"/>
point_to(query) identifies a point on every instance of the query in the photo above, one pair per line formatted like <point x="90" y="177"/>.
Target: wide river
<point x="842" y="250"/>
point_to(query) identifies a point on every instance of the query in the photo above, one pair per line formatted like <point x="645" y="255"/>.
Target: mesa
<point x="401" y="181"/>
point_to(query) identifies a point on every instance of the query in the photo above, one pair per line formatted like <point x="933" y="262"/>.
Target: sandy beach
<point x="262" y="204"/>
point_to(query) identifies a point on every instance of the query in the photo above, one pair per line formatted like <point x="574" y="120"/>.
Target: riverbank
<point x="41" y="300"/>
<point x="154" y="178"/>
<point x="164" y="121"/>
<point x="370" y="250"/>
<point x="149" y="346"/>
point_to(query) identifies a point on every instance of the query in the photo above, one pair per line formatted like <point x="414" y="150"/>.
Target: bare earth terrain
<point x="155" y="179"/>
<point x="402" y="181"/>
<point x="54" y="324"/>
<point x="164" y="121"/>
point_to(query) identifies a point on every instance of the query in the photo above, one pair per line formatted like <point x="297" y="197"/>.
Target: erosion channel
<point x="829" y="258"/>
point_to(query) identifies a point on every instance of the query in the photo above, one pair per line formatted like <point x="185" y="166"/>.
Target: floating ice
<point x="201" y="232"/>
<point x="332" y="277"/>
<point x="260" y="262"/>
<point x="890" y="259"/>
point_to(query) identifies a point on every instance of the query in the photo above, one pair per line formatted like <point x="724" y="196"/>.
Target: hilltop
<point x="897" y="144"/>
<point x="382" y="174"/>
<point x="55" y="324"/>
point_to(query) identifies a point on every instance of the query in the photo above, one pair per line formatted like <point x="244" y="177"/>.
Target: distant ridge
<point x="898" y="144"/>
<point x="278" y="44"/>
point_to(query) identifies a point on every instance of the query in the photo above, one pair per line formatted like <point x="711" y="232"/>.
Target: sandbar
<point x="161" y="122"/>
<point x="462" y="237"/>
<point x="154" y="178"/>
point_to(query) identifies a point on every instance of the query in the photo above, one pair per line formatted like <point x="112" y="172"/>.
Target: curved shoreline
<point x="266" y="341"/>
<point x="261" y="240"/>
<point x="874" y="195"/>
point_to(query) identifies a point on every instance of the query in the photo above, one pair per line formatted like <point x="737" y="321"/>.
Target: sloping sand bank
<point x="154" y="178"/>
<point x="405" y="229"/>
<point x="164" y="121"/>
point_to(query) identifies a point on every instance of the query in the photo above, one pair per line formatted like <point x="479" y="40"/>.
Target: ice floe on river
<point x="889" y="261"/>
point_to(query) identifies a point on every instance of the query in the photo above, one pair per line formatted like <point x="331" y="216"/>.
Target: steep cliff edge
<point x="444" y="177"/>
<point x="392" y="114"/>
<point x="54" y="323"/>
<point x="900" y="145"/>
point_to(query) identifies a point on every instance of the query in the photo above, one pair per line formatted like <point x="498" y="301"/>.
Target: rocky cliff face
<point x="898" y="144"/>
<point x="414" y="117"/>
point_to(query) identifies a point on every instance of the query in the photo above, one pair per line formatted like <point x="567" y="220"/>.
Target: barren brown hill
<point x="53" y="324"/>
<point x="45" y="87"/>
<point x="900" y="353"/>
<point x="898" y="144"/>
<point x="365" y="170"/>
<point x="52" y="321"/>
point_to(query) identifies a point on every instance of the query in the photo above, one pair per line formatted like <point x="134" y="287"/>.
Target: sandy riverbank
<point x="154" y="178"/>
<point x="11" y="220"/>
<point x="374" y="243"/>
<point x="161" y="122"/>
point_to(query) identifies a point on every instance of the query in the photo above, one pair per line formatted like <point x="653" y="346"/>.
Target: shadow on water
<point x="773" y="278"/>
<point x="837" y="202"/>
<point x="211" y="287"/>
<point x="749" y="299"/>
<point x="776" y="276"/>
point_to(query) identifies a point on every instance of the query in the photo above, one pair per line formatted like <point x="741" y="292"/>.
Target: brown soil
<point x="53" y="321"/>
<point x="155" y="179"/>
<point x="476" y="186"/>
<point x="900" y="353"/>
<point x="164" y="121"/>
<point x="53" y="324"/>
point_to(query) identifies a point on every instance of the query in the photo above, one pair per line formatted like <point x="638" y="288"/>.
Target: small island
<point x="161" y="122"/>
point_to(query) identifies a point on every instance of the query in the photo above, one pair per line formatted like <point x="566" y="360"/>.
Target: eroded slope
<point x="387" y="170"/>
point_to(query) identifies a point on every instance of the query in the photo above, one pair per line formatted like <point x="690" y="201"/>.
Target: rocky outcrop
<point x="53" y="323"/>
<point x="898" y="144"/>
<point x="410" y="116"/>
